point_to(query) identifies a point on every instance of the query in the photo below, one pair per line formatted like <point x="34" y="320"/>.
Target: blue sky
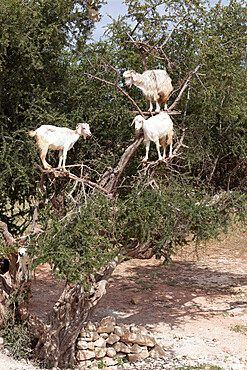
<point x="115" y="8"/>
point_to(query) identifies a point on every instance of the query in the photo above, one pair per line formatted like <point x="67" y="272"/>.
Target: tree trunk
<point x="109" y="180"/>
<point x="57" y="336"/>
<point x="10" y="282"/>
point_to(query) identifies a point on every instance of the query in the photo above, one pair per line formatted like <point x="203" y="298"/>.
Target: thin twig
<point x="186" y="84"/>
<point x="118" y="87"/>
<point x="174" y="28"/>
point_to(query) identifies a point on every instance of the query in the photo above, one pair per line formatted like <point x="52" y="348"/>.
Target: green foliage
<point x="240" y="329"/>
<point x="17" y="338"/>
<point x="44" y="66"/>
<point x="202" y="367"/>
<point x="81" y="244"/>
<point x="35" y="40"/>
<point x="121" y="360"/>
<point x="174" y="214"/>
<point x="163" y="217"/>
<point x="101" y="364"/>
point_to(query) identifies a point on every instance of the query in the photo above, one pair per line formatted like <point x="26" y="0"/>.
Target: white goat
<point x="155" y="84"/>
<point x="24" y="264"/>
<point x="158" y="129"/>
<point x="58" y="138"/>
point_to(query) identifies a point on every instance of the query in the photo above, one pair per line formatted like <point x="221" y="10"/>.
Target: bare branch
<point x="119" y="88"/>
<point x="174" y="28"/>
<point x="7" y="235"/>
<point x="144" y="15"/>
<point x="186" y="84"/>
<point x="83" y="180"/>
<point x="186" y="106"/>
<point x="153" y="113"/>
<point x="111" y="178"/>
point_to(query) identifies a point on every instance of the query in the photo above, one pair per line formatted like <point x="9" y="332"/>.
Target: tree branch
<point x="57" y="173"/>
<point x="174" y="28"/>
<point x="118" y="87"/>
<point x="6" y="234"/>
<point x="186" y="84"/>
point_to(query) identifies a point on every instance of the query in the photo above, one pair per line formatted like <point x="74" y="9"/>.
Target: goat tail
<point x="31" y="133"/>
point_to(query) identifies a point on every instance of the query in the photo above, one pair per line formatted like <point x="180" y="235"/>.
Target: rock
<point x="113" y="338"/>
<point x="1" y="341"/>
<point x="120" y="329"/>
<point x="110" y="352"/>
<point x="108" y="342"/>
<point x="83" y="344"/>
<point x="141" y="330"/>
<point x="138" y="356"/>
<point x="104" y="335"/>
<point x="86" y="335"/>
<point x="83" y="333"/>
<point x="90" y="326"/>
<point x="107" y="325"/>
<point x="108" y="361"/>
<point x="83" y="355"/>
<point x="100" y="352"/>
<point x="143" y="340"/>
<point x="84" y="365"/>
<point x="157" y="352"/>
<point x="95" y="336"/>
<point x="136" y="348"/>
<point x="100" y="342"/>
<point x="121" y="347"/>
<point x="135" y="300"/>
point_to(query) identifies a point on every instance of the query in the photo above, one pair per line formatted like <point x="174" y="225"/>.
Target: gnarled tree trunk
<point x="10" y="281"/>
<point x="57" y="336"/>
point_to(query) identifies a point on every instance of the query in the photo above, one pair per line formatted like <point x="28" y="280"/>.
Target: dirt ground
<point x="196" y="309"/>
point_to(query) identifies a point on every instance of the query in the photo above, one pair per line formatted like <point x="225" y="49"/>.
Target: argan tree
<point x="110" y="206"/>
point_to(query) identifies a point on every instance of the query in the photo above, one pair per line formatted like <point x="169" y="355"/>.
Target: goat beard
<point x="129" y="82"/>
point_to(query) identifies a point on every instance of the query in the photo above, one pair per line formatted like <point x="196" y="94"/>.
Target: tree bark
<point x="57" y="336"/>
<point x="10" y="281"/>
<point x="109" y="180"/>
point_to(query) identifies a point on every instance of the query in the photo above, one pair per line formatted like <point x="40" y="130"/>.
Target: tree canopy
<point x="52" y="73"/>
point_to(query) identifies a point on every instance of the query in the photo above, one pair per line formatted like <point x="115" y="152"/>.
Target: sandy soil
<point x="197" y="309"/>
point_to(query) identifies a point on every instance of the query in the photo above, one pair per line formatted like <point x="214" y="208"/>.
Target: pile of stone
<point x="110" y="344"/>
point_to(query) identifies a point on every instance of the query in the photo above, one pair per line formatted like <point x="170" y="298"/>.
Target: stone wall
<point x="109" y="343"/>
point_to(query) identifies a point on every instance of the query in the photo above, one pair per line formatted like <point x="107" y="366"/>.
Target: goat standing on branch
<point x="158" y="129"/>
<point x="155" y="84"/>
<point x="58" y="138"/>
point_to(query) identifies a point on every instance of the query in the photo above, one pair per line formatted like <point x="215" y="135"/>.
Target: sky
<point x="115" y="8"/>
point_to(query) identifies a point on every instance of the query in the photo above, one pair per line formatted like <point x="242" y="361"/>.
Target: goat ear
<point x="133" y="74"/>
<point x="78" y="128"/>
